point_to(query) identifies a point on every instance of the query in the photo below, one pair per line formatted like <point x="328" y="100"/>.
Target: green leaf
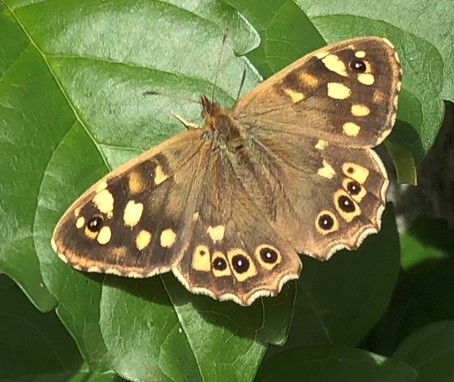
<point x="286" y="33"/>
<point x="425" y="290"/>
<point x="32" y="344"/>
<point x="333" y="363"/>
<point x="430" y="351"/>
<point x="404" y="163"/>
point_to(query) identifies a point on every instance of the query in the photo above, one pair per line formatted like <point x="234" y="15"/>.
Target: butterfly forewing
<point x="345" y="93"/>
<point x="132" y="222"/>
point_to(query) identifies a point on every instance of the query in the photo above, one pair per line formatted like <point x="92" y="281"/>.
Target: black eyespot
<point x="268" y="255"/>
<point x="345" y="204"/>
<point x="219" y="264"/>
<point x="240" y="263"/>
<point x="359" y="66"/>
<point x="95" y="223"/>
<point x="353" y="188"/>
<point x="325" y="222"/>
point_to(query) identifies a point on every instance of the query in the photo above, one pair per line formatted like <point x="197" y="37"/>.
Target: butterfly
<point x="229" y="206"/>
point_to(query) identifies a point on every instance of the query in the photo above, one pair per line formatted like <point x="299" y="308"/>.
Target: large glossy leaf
<point x="430" y="351"/>
<point x="425" y="290"/>
<point x="32" y="345"/>
<point x="333" y="363"/>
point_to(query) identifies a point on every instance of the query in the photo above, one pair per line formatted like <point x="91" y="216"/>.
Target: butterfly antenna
<point x="168" y="95"/>
<point x="221" y="54"/>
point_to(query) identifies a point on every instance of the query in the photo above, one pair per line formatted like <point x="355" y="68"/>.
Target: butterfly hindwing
<point x="234" y="253"/>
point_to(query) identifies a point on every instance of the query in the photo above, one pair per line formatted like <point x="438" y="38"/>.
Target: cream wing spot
<point x="351" y="129"/>
<point x="216" y="233"/>
<point x="321" y="145"/>
<point x="366" y="78"/>
<point x="338" y="91"/>
<point x="104" y="202"/>
<point x="132" y="213"/>
<point x="159" y="176"/>
<point x="360" y="110"/>
<point x="143" y="240"/>
<point x="167" y="238"/>
<point x="104" y="235"/>
<point x="295" y="96"/>
<point x="335" y="65"/>
<point x="80" y="222"/>
<point x="360" y="54"/>
<point x="355" y="172"/>
<point x="201" y="260"/>
<point x="327" y="171"/>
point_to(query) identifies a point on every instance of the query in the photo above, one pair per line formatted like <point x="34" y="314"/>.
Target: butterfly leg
<point x="186" y="123"/>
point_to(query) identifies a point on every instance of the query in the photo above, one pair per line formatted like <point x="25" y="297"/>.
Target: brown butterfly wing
<point x="235" y="253"/>
<point x="325" y="201"/>
<point x="345" y="93"/>
<point x="312" y="126"/>
<point x="182" y="207"/>
<point x="132" y="222"/>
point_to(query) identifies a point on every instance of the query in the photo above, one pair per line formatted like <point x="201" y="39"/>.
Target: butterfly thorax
<point x="226" y="131"/>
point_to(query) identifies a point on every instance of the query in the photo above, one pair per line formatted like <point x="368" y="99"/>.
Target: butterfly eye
<point x="345" y="204"/>
<point x="353" y="188"/>
<point x="240" y="263"/>
<point x="268" y="255"/>
<point x="220" y="264"/>
<point x="95" y="224"/>
<point x="359" y="66"/>
<point x="325" y="222"/>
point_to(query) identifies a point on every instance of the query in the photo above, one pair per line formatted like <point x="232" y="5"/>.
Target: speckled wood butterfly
<point x="227" y="207"/>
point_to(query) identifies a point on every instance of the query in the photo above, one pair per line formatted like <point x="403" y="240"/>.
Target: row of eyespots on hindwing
<point x="236" y="261"/>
